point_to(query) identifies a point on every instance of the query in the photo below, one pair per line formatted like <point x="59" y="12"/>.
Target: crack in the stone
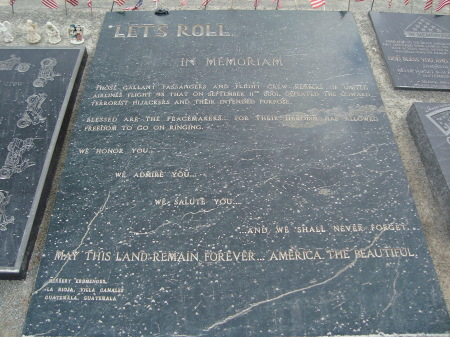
<point x="365" y="150"/>
<point x="100" y="211"/>
<point x="343" y="75"/>
<point x="167" y="223"/>
<point x="394" y="289"/>
<point x="257" y="304"/>
<point x="44" y="333"/>
<point x="200" y="211"/>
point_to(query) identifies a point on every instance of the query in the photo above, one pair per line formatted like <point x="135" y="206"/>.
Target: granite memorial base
<point x="429" y="124"/>
<point x="233" y="173"/>
<point x="38" y="87"/>
<point x="416" y="48"/>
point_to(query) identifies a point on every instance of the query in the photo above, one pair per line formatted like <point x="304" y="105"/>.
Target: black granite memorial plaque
<point x="36" y="90"/>
<point x="229" y="177"/>
<point x="416" y="48"/>
<point x="429" y="124"/>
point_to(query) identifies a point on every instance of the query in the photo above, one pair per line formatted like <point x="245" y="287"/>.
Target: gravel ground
<point x="14" y="295"/>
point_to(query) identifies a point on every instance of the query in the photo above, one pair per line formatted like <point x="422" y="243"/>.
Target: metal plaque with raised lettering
<point x="36" y="86"/>
<point x="228" y="176"/>
<point x="429" y="124"/>
<point x="416" y="48"/>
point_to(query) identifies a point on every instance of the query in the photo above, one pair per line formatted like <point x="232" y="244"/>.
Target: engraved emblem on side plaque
<point x="10" y="63"/>
<point x="4" y="219"/>
<point x="46" y="72"/>
<point x="14" y="161"/>
<point x="424" y="28"/>
<point x="441" y="119"/>
<point x="33" y="114"/>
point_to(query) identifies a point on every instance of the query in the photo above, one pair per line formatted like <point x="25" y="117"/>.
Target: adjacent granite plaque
<point x="429" y="124"/>
<point x="234" y="174"/>
<point x="416" y="48"/>
<point x="37" y="87"/>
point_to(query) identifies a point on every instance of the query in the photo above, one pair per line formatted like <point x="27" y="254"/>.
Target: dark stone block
<point x="429" y="124"/>
<point x="38" y="87"/>
<point x="228" y="176"/>
<point x="415" y="48"/>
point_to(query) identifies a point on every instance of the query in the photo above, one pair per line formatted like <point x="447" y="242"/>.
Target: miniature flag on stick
<point x="50" y="3"/>
<point x="317" y="3"/>
<point x="11" y="2"/>
<point x="205" y="3"/>
<point x="390" y="4"/>
<point x="442" y="4"/>
<point x="136" y="7"/>
<point x="279" y="3"/>
<point x="183" y="2"/>
<point x="428" y="5"/>
<point x="119" y="2"/>
<point x="73" y="2"/>
<point x="89" y="3"/>
<point x="256" y="3"/>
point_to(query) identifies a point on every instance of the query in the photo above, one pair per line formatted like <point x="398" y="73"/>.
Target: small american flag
<point x="406" y="2"/>
<point x="73" y="2"/>
<point x="428" y="5"/>
<point x="279" y="3"/>
<point x="136" y="7"/>
<point x="120" y="2"/>
<point x="442" y="4"/>
<point x="50" y="3"/>
<point x="89" y="3"/>
<point x="11" y="2"/>
<point x="204" y="3"/>
<point x="256" y="3"/>
<point x="317" y="3"/>
<point x="358" y="0"/>
<point x="183" y="2"/>
<point x="390" y="4"/>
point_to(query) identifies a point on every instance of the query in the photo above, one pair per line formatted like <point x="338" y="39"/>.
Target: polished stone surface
<point x="35" y="89"/>
<point x="416" y="48"/>
<point x="429" y="124"/>
<point x="230" y="178"/>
